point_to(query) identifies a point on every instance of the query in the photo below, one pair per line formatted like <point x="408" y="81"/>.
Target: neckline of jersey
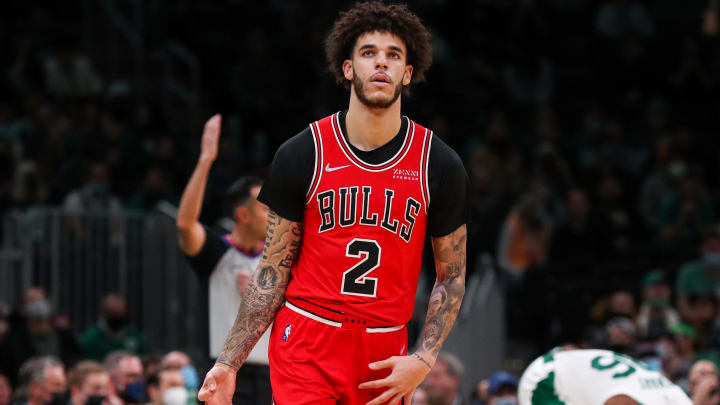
<point x="404" y="127"/>
<point x="240" y="250"/>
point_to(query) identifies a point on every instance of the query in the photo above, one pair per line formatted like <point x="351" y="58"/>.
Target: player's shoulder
<point x="299" y="144"/>
<point x="443" y="159"/>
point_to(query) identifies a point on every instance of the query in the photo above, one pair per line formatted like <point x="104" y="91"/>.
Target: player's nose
<point x="381" y="61"/>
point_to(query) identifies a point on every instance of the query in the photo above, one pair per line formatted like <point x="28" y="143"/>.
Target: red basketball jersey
<point x="363" y="227"/>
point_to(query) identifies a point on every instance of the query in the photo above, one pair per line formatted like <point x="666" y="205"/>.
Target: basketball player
<point x="352" y="198"/>
<point x="595" y="377"/>
<point x="224" y="263"/>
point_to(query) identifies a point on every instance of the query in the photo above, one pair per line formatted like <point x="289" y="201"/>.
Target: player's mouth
<point x="380" y="79"/>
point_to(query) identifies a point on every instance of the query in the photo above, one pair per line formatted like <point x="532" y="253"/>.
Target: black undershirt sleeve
<point x="449" y="190"/>
<point x="204" y="262"/>
<point x="291" y="172"/>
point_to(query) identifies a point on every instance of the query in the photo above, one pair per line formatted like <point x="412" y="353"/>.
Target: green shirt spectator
<point x="112" y="332"/>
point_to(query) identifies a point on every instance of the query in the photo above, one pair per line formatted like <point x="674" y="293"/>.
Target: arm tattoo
<point x="266" y="291"/>
<point x="423" y="360"/>
<point x="448" y="292"/>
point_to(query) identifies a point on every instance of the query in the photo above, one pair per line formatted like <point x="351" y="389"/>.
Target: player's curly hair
<point x="370" y="16"/>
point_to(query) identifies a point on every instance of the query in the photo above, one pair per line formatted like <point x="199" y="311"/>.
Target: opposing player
<point x="352" y="198"/>
<point x="595" y="377"/>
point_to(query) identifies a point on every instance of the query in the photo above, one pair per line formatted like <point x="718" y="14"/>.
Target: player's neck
<point x="242" y="239"/>
<point x="370" y="128"/>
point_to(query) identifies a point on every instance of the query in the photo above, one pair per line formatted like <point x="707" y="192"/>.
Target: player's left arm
<point x="447" y="294"/>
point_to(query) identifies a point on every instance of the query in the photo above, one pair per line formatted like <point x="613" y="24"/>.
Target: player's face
<point x="378" y="69"/>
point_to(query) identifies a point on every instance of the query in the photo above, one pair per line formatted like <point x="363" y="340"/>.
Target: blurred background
<point x="588" y="129"/>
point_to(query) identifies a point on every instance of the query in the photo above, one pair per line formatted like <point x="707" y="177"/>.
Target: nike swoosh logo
<point x="332" y="169"/>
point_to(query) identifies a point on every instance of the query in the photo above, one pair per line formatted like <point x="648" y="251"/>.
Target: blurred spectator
<point x="180" y="361"/>
<point x="503" y="389"/>
<point x="419" y="397"/>
<point x="41" y="381"/>
<point x="656" y="315"/>
<point x="4" y="321"/>
<point x="156" y="187"/>
<point x="620" y="18"/>
<point x="126" y="373"/>
<point x="5" y="390"/>
<point x="167" y="387"/>
<point x="525" y="235"/>
<point x="684" y="351"/>
<point x="618" y="221"/>
<point x="621" y="335"/>
<point x="112" y="331"/>
<point x="686" y="214"/>
<point x="702" y="310"/>
<point x="94" y="194"/>
<point x="703" y="383"/>
<point x="90" y="384"/>
<point x="68" y="73"/>
<point x="151" y="363"/>
<point x="442" y="384"/>
<point x="575" y="242"/>
<point x="659" y="187"/>
<point x="479" y="395"/>
<point x="700" y="276"/>
<point x="35" y="335"/>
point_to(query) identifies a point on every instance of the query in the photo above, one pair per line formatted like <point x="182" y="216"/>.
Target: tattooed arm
<point x="409" y="371"/>
<point x="263" y="298"/>
<point x="266" y="291"/>
<point x="447" y="294"/>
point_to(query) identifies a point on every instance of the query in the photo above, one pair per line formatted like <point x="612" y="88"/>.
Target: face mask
<point x="658" y="303"/>
<point x="95" y="400"/>
<point x="190" y="376"/>
<point x="135" y="392"/>
<point x="175" y="396"/>
<point x="712" y="259"/>
<point x="115" y="323"/>
<point x="506" y="401"/>
<point x="59" y="398"/>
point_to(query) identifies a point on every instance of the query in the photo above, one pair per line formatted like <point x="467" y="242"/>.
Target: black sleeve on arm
<point x="204" y="262"/>
<point x="290" y="175"/>
<point x="449" y="190"/>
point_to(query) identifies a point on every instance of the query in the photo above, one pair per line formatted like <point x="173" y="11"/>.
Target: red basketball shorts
<point x="320" y="357"/>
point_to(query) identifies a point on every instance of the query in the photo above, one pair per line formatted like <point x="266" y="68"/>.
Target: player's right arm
<point x="191" y="234"/>
<point x="264" y="296"/>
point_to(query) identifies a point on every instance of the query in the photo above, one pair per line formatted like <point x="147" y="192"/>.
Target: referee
<point x="224" y="263"/>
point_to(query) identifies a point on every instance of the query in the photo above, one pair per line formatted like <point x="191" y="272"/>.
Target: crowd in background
<point x="588" y="129"/>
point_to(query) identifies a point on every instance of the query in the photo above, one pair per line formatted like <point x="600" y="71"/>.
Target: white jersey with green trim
<point x="591" y="377"/>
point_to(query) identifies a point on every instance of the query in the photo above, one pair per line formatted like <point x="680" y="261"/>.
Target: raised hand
<point x="210" y="138"/>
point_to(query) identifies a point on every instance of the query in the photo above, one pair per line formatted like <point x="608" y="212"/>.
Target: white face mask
<point x="175" y="396"/>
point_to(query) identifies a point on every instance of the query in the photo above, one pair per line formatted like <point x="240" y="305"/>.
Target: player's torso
<point x="593" y="376"/>
<point x="364" y="227"/>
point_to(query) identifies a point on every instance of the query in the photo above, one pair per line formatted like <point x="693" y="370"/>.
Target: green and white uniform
<point x="591" y="377"/>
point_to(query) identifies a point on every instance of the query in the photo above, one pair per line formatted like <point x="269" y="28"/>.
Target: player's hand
<point x="407" y="373"/>
<point x="210" y="138"/>
<point x="219" y="386"/>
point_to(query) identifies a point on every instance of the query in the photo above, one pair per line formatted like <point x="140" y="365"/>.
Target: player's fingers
<point x="408" y="397"/>
<point x="383" y="363"/>
<point x="385" y="382"/>
<point x="207" y="388"/>
<point x="383" y="398"/>
<point x="396" y="400"/>
<point x="213" y="124"/>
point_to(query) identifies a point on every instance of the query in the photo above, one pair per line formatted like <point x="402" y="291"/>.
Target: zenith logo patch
<point x="286" y="335"/>
<point x="404" y="174"/>
<point x="332" y="169"/>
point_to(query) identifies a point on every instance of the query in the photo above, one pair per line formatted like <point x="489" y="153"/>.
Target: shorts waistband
<point x="337" y="320"/>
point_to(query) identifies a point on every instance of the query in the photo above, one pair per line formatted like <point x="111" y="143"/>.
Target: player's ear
<point x="242" y="215"/>
<point x="407" y="75"/>
<point x="347" y="69"/>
